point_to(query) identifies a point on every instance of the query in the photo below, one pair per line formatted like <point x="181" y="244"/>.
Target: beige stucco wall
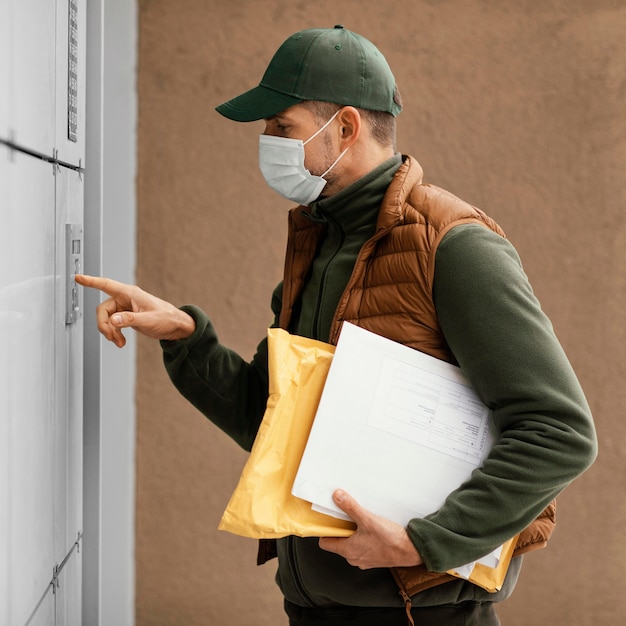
<point x="516" y="106"/>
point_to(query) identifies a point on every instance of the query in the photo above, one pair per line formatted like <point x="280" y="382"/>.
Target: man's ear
<point x="350" y="124"/>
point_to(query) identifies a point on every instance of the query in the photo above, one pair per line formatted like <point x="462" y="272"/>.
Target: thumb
<point x="123" y="320"/>
<point x="348" y="505"/>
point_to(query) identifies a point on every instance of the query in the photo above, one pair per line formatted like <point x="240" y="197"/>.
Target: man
<point x="370" y="243"/>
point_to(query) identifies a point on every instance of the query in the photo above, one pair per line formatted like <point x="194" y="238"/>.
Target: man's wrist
<point x="186" y="326"/>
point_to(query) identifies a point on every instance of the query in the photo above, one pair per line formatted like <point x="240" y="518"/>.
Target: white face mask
<point x="282" y="164"/>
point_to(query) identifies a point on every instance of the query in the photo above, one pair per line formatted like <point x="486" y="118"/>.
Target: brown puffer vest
<point x="390" y="294"/>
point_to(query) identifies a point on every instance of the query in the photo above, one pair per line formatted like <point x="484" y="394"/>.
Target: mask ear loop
<point x="317" y="132"/>
<point x="336" y="161"/>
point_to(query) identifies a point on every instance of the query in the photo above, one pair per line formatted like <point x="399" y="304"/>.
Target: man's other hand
<point x="377" y="542"/>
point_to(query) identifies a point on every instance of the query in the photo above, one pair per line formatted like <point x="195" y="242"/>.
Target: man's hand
<point x="128" y="306"/>
<point x="377" y="542"/>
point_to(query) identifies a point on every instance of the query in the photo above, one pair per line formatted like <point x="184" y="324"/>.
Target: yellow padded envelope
<point x="262" y="505"/>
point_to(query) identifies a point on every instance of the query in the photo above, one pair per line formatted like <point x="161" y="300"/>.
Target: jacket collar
<point x="409" y="174"/>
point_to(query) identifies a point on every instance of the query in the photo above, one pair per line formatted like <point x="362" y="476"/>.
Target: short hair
<point x="381" y="123"/>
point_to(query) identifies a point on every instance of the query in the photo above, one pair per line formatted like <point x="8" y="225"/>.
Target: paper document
<point x="397" y="429"/>
<point x="490" y="560"/>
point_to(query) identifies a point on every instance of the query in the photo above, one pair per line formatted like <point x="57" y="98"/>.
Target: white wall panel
<point x="4" y="70"/>
<point x="4" y="385"/>
<point x="27" y="304"/>
<point x="68" y="415"/>
<point x="31" y="87"/>
<point x="70" y="151"/>
<point x="40" y="394"/>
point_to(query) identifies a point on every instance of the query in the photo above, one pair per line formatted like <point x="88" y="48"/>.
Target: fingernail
<point x="116" y="319"/>
<point x="339" y="495"/>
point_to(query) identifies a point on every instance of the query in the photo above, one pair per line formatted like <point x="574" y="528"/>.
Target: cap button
<point x="338" y="26"/>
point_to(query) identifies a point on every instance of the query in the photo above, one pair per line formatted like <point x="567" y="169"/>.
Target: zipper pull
<point x="407" y="606"/>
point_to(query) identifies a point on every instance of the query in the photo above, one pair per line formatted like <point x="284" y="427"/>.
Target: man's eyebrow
<point x="277" y="117"/>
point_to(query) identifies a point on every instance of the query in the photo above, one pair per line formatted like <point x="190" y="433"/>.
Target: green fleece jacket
<point x="506" y="348"/>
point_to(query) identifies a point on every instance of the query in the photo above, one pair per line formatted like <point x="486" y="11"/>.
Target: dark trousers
<point x="468" y="614"/>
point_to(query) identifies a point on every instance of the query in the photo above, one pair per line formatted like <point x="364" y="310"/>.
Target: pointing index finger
<point x="109" y="286"/>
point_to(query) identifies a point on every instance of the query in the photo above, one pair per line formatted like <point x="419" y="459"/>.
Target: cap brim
<point x="256" y="104"/>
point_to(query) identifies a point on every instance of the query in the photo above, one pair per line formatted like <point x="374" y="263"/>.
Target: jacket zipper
<point x="341" y="236"/>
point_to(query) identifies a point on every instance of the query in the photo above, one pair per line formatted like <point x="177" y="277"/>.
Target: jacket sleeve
<point x="508" y="350"/>
<point x="228" y="390"/>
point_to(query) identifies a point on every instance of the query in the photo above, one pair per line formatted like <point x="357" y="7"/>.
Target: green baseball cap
<point x="328" y="64"/>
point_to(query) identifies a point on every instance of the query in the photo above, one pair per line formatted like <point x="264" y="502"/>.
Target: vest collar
<point x="406" y="178"/>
